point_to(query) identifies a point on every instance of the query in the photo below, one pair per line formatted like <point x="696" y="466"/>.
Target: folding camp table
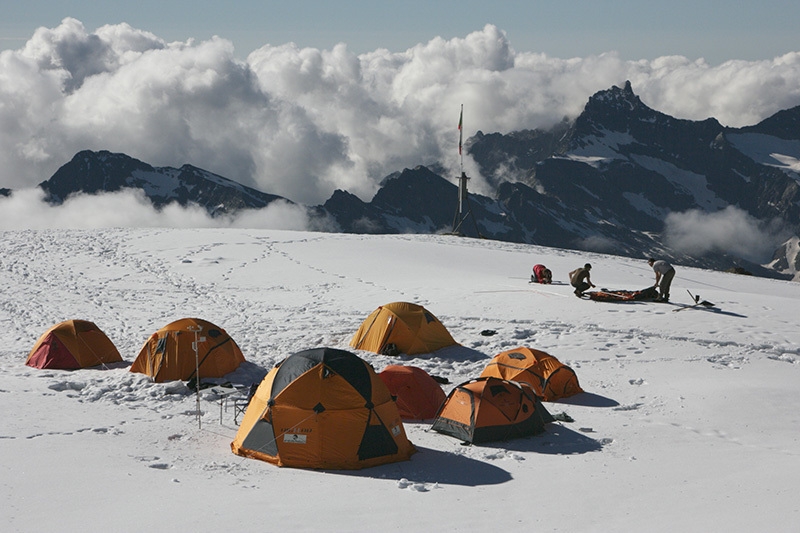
<point x="237" y="394"/>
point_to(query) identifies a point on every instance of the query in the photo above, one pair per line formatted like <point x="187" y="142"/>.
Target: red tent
<point x="73" y="344"/>
<point x="418" y="394"/>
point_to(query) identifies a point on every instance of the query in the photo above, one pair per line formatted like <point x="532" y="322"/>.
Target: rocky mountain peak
<point x="784" y="124"/>
<point x="91" y="172"/>
<point x="615" y="109"/>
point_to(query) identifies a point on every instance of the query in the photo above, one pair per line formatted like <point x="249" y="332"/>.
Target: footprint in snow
<point x="145" y="458"/>
<point x="417" y="487"/>
<point x="631" y="407"/>
<point x="67" y="385"/>
<point x="503" y="454"/>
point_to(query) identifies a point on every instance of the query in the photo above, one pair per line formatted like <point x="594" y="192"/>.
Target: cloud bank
<point x="730" y="230"/>
<point x="301" y="123"/>
<point x="130" y="208"/>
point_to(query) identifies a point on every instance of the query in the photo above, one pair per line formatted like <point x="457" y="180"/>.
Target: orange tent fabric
<point x="168" y="354"/>
<point x="73" y="344"/>
<point x="323" y="408"/>
<point x="417" y="394"/>
<point x="550" y="378"/>
<point x="490" y="409"/>
<point x="410" y="328"/>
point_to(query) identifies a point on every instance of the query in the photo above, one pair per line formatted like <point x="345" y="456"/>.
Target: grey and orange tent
<point x="323" y="408"/>
<point x="73" y="344"/>
<point x="490" y="409"/>
<point x="417" y="394"/>
<point x="168" y="354"/>
<point x="550" y="378"/>
<point x="401" y="327"/>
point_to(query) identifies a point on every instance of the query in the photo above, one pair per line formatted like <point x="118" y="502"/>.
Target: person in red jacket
<point x="541" y="274"/>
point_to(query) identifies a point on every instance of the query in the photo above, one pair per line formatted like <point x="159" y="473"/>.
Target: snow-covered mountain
<point x="787" y="258"/>
<point x="610" y="179"/>
<point x="618" y="179"/>
<point x="91" y="172"/>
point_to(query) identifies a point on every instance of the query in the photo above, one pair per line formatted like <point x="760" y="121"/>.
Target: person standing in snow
<point x="580" y="279"/>
<point x="664" y="274"/>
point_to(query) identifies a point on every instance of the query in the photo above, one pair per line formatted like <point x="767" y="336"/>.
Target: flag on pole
<point x="460" y="131"/>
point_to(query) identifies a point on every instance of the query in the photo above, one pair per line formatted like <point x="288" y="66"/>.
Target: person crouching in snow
<point x="664" y="274"/>
<point x="541" y="274"/>
<point x="580" y="279"/>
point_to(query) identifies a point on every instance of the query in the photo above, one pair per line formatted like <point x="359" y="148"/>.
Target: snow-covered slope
<point x="689" y="421"/>
<point x="768" y="150"/>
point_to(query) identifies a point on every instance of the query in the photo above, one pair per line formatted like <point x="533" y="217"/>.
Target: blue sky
<point x="714" y="30"/>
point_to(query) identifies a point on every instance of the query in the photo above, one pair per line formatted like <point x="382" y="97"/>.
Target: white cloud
<point x="730" y="230"/>
<point x="598" y="244"/>
<point x="130" y="208"/>
<point x="301" y="123"/>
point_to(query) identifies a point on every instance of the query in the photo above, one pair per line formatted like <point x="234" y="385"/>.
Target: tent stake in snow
<point x="197" y="339"/>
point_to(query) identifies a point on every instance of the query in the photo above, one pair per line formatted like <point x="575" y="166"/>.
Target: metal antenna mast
<point x="464" y="208"/>
<point x="195" y="346"/>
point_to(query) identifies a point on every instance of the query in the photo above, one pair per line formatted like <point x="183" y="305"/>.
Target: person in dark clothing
<point x="664" y="274"/>
<point x="581" y="279"/>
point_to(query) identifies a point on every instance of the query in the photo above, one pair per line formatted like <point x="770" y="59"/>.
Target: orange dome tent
<point x="73" y="344"/>
<point x="323" y="408"/>
<point x="406" y="327"/>
<point x="417" y="394"/>
<point x="490" y="409"/>
<point x="168" y="354"/>
<point x="550" y="378"/>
